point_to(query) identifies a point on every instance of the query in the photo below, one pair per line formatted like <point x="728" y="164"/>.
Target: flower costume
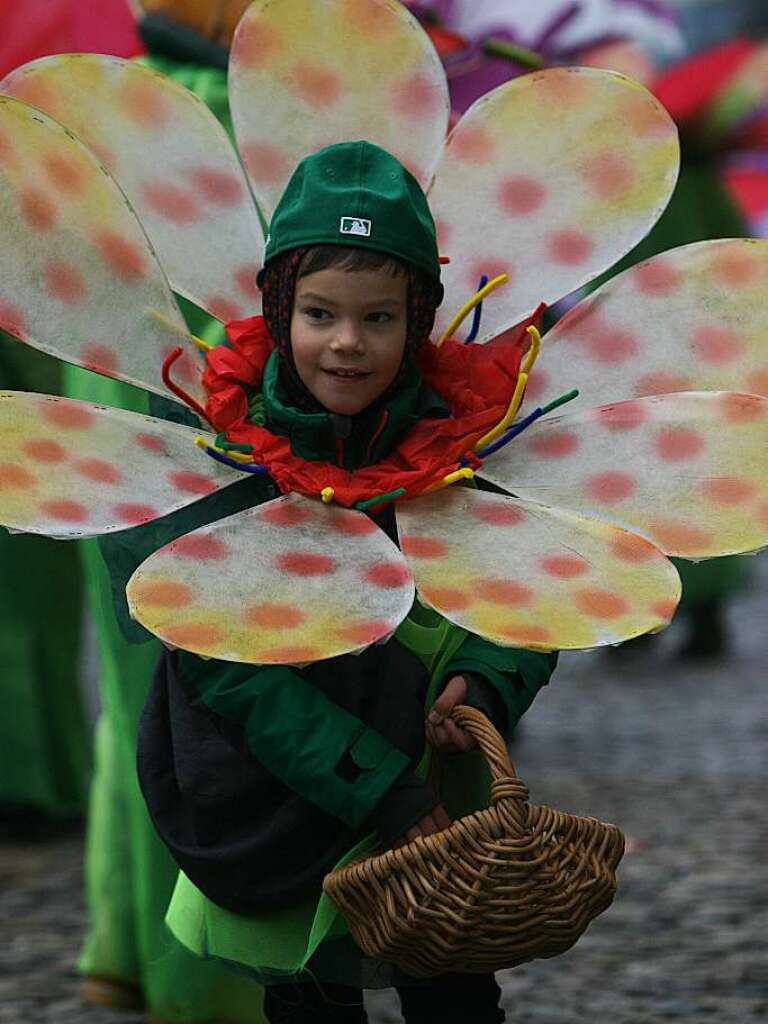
<point x="579" y="584"/>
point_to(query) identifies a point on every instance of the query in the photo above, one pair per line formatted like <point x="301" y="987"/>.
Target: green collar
<point x="374" y="433"/>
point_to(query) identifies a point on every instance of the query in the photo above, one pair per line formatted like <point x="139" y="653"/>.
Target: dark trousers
<point x="450" y="999"/>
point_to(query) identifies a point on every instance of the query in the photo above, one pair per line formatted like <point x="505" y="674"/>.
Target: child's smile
<point x="348" y="333"/>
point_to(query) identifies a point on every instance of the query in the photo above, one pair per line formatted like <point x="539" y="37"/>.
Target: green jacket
<point x="339" y="735"/>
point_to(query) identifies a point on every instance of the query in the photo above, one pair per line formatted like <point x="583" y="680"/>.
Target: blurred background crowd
<point x="71" y="687"/>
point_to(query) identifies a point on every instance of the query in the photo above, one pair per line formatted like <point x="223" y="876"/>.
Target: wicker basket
<point x="500" y="887"/>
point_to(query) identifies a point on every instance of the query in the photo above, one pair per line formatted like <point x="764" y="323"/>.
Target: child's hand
<point x="443" y="733"/>
<point x="435" y="821"/>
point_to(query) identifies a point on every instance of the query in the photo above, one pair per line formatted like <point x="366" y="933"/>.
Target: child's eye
<point x="316" y="313"/>
<point x="379" y="318"/>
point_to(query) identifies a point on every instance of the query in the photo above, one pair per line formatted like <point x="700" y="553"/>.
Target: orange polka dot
<point x="39" y="211"/>
<point x="561" y="87"/>
<point x="491" y="267"/>
<point x="150" y="442"/>
<point x="601" y="604"/>
<point x="194" y="635"/>
<point x="676" y="537"/>
<point x="162" y="593"/>
<point x="11" y="318"/>
<point x="661" y="383"/>
<point x="506" y="592"/>
<point x="290" y="655"/>
<point x="200" y="547"/>
<point x="266" y="163"/>
<point x="656" y="277"/>
<point x="450" y="599"/>
<point x="124" y="258"/>
<point x="63" y="281"/>
<point x="664" y="609"/>
<point x="678" y="444"/>
<point x="66" y="172"/>
<point x="305" y="563"/>
<point x="716" y="345"/>
<point x="369" y="19"/>
<point x="758" y="382"/>
<point x="762" y="513"/>
<point x="145" y="103"/>
<point x="317" y="85"/>
<point x="538" y="384"/>
<point x="472" y="144"/>
<point x="389" y="575"/>
<point x="505" y="513"/>
<point x="611" y="486"/>
<point x="742" y="408"/>
<point x="555" y="444"/>
<point x="416" y="97"/>
<point x="569" y="247"/>
<point x="273" y="615"/>
<point x="222" y="188"/>
<point x="520" y="194"/>
<point x="134" y="513"/>
<point x="44" y="451"/>
<point x="630" y="547"/>
<point x="564" y="567"/>
<point x="624" y="416"/>
<point x="245" y="279"/>
<point x="283" y="513"/>
<point x="100" y="358"/>
<point x="223" y="308"/>
<point x="366" y="632"/>
<point x="524" y="635"/>
<point x="612" y="346"/>
<point x="38" y="93"/>
<point x="257" y="43"/>
<point x="423" y="547"/>
<point x="173" y="203"/>
<point x="736" y="268"/>
<point x="609" y="175"/>
<point x="13" y="477"/>
<point x="66" y="511"/>
<point x="729" y="490"/>
<point x="98" y="470"/>
<point x="68" y="415"/>
<point x="353" y="524"/>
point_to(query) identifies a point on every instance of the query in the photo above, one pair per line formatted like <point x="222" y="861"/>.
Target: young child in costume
<point x="260" y="779"/>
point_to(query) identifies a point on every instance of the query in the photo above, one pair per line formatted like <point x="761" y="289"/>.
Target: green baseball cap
<point x="359" y="195"/>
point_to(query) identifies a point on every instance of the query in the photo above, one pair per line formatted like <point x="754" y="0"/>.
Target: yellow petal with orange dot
<point x="304" y="75"/>
<point x="691" y="319"/>
<point x="78" y="277"/>
<point x="525" y="575"/>
<point x="686" y="470"/>
<point x="175" y="163"/>
<point x="551" y="178"/>
<point x="73" y="469"/>
<point x="288" y="582"/>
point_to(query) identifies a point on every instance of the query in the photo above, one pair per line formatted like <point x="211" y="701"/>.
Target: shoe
<point x="96" y="990"/>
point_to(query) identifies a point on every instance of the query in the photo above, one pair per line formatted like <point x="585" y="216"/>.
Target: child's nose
<point x="348" y="337"/>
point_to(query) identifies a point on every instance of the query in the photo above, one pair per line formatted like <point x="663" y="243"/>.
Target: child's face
<point x="348" y="332"/>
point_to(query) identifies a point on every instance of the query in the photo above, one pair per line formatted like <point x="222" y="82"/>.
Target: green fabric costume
<point x="129" y="873"/>
<point x="45" y="743"/>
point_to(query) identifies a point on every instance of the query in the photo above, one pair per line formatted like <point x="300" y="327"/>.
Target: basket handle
<point x="505" y="784"/>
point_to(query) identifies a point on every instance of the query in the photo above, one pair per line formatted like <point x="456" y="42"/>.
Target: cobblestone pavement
<point x="678" y="758"/>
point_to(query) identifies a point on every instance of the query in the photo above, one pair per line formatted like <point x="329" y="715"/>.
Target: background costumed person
<point x="565" y="568"/>
<point x="129" y="959"/>
<point x="45" y="746"/>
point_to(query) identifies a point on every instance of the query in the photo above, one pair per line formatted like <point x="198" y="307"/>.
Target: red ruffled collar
<point x="477" y="382"/>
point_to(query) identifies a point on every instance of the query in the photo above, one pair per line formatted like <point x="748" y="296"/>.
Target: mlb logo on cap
<point x="355" y="226"/>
